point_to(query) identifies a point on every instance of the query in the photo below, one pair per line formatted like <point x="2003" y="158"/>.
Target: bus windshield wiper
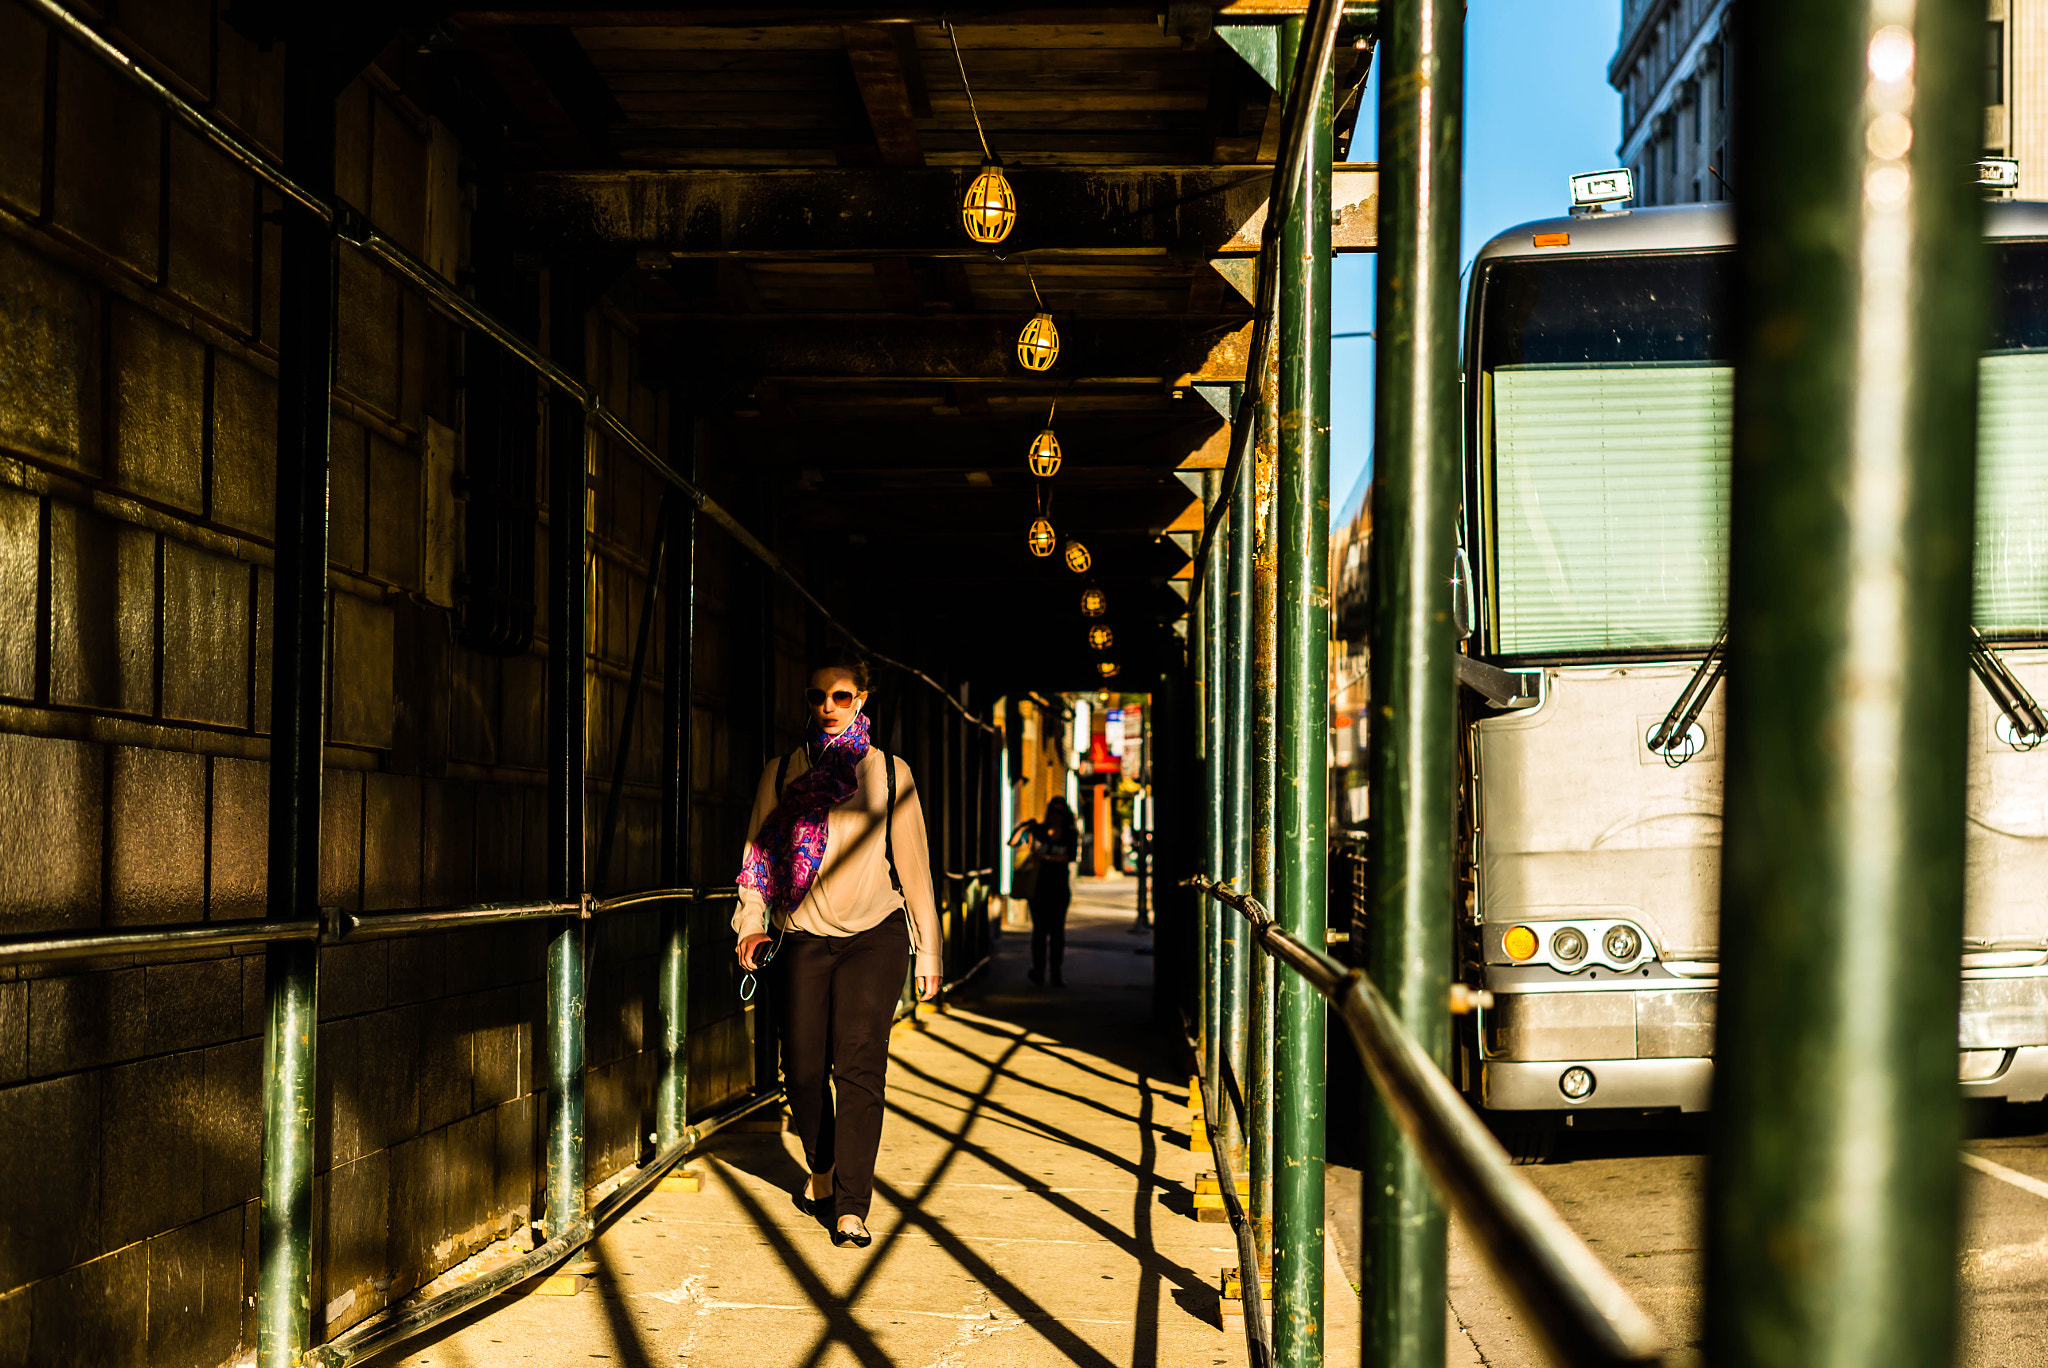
<point x="1670" y="738"/>
<point x="2022" y="713"/>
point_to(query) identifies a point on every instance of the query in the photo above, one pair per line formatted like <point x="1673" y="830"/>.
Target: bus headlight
<point x="1576" y="1083"/>
<point x="1622" y="944"/>
<point x="1519" y="943"/>
<point x="1568" y="945"/>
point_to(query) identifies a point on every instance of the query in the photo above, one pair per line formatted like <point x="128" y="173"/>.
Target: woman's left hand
<point x="927" y="987"/>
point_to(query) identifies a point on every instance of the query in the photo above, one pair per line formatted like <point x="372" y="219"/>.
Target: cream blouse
<point x="852" y="892"/>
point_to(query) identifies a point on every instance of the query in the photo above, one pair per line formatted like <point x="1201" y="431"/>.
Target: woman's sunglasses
<point x="816" y="698"/>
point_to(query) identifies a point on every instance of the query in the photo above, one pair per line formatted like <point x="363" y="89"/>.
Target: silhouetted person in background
<point x="1054" y="844"/>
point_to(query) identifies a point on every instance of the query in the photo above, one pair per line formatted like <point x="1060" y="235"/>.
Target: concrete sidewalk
<point x="1033" y="1207"/>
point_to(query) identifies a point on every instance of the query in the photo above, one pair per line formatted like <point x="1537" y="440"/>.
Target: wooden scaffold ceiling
<point x="782" y="188"/>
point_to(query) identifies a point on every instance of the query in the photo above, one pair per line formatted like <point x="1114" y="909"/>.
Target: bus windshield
<point x="1606" y="403"/>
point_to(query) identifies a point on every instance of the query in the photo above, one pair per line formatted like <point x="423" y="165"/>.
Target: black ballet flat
<point x="859" y="1239"/>
<point x="817" y="1208"/>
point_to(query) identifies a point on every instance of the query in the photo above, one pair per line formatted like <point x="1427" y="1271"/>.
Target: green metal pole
<point x="1412" y="765"/>
<point x="1302" y="518"/>
<point x="672" y="1087"/>
<point x="672" y="1090"/>
<point x="568" y="467"/>
<point x="305" y="402"/>
<point x="1198" y="667"/>
<point x="1215" y="786"/>
<point x="1832" y="1220"/>
<point x="1237" y="800"/>
<point x="1264" y="772"/>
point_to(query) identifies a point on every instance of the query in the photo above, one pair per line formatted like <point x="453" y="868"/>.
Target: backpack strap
<point x="889" y="821"/>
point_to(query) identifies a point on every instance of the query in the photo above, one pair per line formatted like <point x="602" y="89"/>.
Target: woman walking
<point x="1054" y="844"/>
<point x="836" y="889"/>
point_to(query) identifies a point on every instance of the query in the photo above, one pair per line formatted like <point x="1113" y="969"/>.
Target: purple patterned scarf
<point x="786" y="853"/>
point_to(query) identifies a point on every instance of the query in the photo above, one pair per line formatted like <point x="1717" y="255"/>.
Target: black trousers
<point x="1049" y="927"/>
<point x="838" y="997"/>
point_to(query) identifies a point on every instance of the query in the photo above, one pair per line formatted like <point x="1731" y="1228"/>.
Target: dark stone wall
<point x="138" y="306"/>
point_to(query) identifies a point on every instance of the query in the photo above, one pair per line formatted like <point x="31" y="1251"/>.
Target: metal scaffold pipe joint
<point x="1832" y="1216"/>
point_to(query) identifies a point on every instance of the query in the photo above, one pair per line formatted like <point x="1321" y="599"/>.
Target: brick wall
<point x="138" y="305"/>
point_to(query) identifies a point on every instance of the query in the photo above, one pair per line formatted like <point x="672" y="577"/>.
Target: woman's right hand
<point x="750" y="945"/>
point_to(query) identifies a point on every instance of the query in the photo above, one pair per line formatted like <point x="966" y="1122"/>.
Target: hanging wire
<point x="1033" y="280"/>
<point x="972" y="112"/>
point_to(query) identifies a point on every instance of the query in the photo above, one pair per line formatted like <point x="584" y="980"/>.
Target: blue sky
<point x="1537" y="109"/>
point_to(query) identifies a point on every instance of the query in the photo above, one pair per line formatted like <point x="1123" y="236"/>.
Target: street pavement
<point x="1034" y="1203"/>
<point x="1636" y="1199"/>
<point x="1034" y="1209"/>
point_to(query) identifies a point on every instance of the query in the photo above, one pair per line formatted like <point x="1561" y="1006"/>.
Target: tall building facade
<point x="1675" y="69"/>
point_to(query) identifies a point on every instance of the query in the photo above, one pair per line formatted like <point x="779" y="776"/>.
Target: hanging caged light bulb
<point x="1077" y="556"/>
<point x="990" y="209"/>
<point x="1100" y="637"/>
<point x="1038" y="346"/>
<point x="1106" y="668"/>
<point x="1043" y="539"/>
<point x="1094" y="603"/>
<point x="1045" y="451"/>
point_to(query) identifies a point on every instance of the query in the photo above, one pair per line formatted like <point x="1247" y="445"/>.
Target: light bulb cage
<point x="1038" y="346"/>
<point x="1100" y="638"/>
<point x="1094" y="603"/>
<point x="1106" y="668"/>
<point x="1045" y="455"/>
<point x="1076" y="556"/>
<point x="1043" y="539"/>
<point x="989" y="211"/>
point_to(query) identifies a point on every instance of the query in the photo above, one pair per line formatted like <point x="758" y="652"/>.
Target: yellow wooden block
<point x="1198" y="1135"/>
<point x="931" y="1009"/>
<point x="1194" y="1094"/>
<point x="763" y="1123"/>
<point x="569" y="1279"/>
<point x="682" y="1180"/>
<point x="1233" y="1286"/>
<point x="1205" y="1183"/>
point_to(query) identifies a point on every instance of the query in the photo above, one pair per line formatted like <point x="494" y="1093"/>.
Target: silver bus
<point x="1592" y="588"/>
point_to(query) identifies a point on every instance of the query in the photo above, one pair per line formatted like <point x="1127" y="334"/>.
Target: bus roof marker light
<point x="1551" y="240"/>
<point x="1593" y="191"/>
<point x="1998" y="177"/>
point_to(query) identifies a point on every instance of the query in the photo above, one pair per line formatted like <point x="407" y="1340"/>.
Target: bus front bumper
<point x="1688" y="1084"/>
<point x="1618" y="1084"/>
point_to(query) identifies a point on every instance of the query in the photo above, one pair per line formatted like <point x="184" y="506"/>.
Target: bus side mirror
<point x="1464" y="613"/>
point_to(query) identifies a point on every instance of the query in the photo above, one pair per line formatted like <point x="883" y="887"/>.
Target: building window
<point x="1994" y="62"/>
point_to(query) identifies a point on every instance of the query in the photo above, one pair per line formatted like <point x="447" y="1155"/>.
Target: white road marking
<point x="2005" y="1175"/>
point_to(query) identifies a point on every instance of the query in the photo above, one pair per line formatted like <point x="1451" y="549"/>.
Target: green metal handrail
<point x="1581" y="1314"/>
<point x="334" y="926"/>
<point x="1258" y="1336"/>
<point x="52" y="947"/>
